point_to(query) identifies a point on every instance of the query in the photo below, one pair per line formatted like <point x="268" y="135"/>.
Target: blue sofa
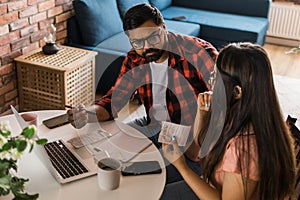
<point x="97" y="25"/>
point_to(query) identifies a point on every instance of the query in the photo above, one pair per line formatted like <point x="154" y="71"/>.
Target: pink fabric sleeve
<point x="235" y="158"/>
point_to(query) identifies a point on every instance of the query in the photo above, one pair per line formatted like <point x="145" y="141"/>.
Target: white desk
<point x="42" y="182"/>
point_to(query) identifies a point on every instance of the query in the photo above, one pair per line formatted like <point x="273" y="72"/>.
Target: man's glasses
<point x="153" y="39"/>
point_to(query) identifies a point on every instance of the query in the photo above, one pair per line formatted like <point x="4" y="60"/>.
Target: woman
<point x="253" y="157"/>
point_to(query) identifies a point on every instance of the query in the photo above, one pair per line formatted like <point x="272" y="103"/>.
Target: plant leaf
<point x="5" y="134"/>
<point x="28" y="132"/>
<point x="25" y="196"/>
<point x="4" y="167"/>
<point x="22" y="144"/>
<point x="31" y="147"/>
<point x="17" y="184"/>
<point x="4" y="191"/>
<point x="17" y="188"/>
<point x="7" y="146"/>
<point x="41" y="141"/>
<point x="4" y="182"/>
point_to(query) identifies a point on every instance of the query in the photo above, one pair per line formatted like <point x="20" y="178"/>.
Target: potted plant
<point x="11" y="149"/>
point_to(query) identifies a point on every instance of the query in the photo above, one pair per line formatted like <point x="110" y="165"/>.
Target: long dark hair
<point x="248" y="66"/>
<point x="139" y="14"/>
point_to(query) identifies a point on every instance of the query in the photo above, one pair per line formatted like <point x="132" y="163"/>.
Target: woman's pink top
<point x="235" y="159"/>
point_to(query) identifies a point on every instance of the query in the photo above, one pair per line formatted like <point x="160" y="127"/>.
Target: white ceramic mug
<point x="109" y="173"/>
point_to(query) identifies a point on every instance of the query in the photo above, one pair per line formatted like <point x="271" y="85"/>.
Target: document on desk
<point x="90" y="138"/>
<point x="122" y="146"/>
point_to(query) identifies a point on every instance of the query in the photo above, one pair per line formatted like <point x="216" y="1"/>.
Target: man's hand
<point x="78" y="117"/>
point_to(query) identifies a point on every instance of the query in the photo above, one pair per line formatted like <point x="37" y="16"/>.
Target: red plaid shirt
<point x="190" y="62"/>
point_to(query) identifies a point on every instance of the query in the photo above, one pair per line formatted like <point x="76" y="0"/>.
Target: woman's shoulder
<point x="241" y="156"/>
<point x="245" y="135"/>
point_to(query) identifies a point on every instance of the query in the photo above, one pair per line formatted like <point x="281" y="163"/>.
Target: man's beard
<point x="157" y="53"/>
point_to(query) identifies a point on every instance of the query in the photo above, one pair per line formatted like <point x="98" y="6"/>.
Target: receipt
<point x="179" y="131"/>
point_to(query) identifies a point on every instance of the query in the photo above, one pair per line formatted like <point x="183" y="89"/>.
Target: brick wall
<point x="23" y="25"/>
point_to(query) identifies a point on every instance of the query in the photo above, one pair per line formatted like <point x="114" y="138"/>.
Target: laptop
<point x="68" y="163"/>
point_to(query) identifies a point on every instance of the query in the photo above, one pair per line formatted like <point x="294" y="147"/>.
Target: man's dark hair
<point x="139" y="14"/>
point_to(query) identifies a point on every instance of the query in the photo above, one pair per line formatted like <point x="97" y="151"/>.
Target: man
<point x="164" y="69"/>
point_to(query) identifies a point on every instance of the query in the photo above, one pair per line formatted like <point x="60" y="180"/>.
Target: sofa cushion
<point x="209" y="33"/>
<point x="161" y="4"/>
<point x="118" y="42"/>
<point x="258" y="8"/>
<point x="183" y="27"/>
<point x="97" y="20"/>
<point x="222" y="26"/>
<point x="73" y="36"/>
<point x="124" y="5"/>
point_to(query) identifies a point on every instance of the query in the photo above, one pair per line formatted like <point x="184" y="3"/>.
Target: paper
<point x="89" y="138"/>
<point x="179" y="131"/>
<point x="122" y="146"/>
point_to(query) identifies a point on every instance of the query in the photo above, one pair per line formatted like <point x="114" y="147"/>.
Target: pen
<point x="90" y="112"/>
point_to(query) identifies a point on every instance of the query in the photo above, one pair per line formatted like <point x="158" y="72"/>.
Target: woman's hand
<point x="201" y="120"/>
<point x="174" y="154"/>
<point x="204" y="101"/>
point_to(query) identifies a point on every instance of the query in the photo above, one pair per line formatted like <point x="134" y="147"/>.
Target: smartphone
<point x="142" y="167"/>
<point x="57" y="121"/>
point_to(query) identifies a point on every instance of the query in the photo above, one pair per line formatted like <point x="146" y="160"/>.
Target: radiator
<point x="284" y="21"/>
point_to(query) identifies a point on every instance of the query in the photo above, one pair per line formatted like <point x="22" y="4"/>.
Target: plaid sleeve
<point x="194" y="61"/>
<point x="204" y="58"/>
<point x="116" y="98"/>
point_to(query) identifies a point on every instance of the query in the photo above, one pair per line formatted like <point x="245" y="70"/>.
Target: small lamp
<point x="50" y="47"/>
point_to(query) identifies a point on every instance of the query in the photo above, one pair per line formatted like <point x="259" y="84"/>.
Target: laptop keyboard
<point x="63" y="160"/>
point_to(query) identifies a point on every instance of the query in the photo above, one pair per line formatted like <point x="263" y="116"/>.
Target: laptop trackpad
<point x="82" y="152"/>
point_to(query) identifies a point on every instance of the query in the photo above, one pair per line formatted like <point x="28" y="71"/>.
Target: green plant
<point x="293" y="50"/>
<point x="11" y="149"/>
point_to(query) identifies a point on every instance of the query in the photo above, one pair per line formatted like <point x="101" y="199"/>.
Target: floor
<point x="282" y="63"/>
<point x="286" y="68"/>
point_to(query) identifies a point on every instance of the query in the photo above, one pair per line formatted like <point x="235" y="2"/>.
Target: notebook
<point x="67" y="163"/>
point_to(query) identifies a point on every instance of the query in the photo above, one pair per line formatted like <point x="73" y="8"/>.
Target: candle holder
<point x="50" y="47"/>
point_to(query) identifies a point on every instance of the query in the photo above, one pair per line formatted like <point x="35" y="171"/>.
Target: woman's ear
<point x="237" y="92"/>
